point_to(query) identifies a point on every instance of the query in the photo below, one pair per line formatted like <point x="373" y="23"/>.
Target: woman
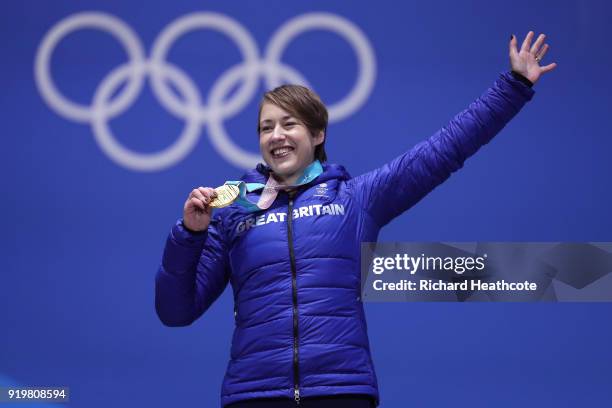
<point x="290" y="244"/>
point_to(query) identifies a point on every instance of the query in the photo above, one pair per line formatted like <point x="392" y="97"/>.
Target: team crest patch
<point x="321" y="190"/>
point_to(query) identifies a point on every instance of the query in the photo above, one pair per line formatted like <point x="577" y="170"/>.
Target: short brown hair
<point x="305" y="105"/>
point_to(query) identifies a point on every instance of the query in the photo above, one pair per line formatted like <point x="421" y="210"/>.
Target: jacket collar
<point x="331" y="171"/>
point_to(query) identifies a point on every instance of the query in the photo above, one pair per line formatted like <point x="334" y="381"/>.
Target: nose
<point x="278" y="133"/>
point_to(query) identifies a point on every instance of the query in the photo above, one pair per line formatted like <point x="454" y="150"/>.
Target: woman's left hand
<point x="527" y="61"/>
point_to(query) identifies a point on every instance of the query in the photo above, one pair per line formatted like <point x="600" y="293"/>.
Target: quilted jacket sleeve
<point x="193" y="273"/>
<point x="393" y="188"/>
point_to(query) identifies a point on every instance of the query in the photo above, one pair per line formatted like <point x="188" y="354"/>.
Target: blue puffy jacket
<point x="295" y="268"/>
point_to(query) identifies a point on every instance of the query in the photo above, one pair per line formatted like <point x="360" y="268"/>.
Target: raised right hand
<point x="196" y="211"/>
<point x="526" y="61"/>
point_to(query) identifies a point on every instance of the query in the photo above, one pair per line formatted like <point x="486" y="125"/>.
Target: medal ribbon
<point x="271" y="188"/>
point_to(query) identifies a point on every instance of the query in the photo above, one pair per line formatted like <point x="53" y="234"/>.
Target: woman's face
<point x="285" y="143"/>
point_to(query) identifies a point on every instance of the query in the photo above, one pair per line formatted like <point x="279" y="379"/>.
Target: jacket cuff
<point x="185" y="237"/>
<point x="522" y="78"/>
<point x="517" y="85"/>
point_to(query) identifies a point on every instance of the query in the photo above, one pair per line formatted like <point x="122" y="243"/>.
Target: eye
<point x="265" y="129"/>
<point x="290" y="124"/>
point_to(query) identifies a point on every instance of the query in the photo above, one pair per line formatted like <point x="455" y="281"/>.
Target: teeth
<point x="281" y="151"/>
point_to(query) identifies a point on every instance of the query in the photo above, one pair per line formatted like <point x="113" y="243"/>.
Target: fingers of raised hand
<point x="527" y="60"/>
<point x="527" y="42"/>
<point x="549" y="67"/>
<point x="513" y="50"/>
<point x="535" y="48"/>
<point x="540" y="55"/>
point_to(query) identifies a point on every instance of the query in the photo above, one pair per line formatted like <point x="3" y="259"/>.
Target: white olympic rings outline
<point x="190" y="107"/>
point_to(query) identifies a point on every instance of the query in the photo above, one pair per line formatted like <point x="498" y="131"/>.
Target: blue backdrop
<point x="107" y="127"/>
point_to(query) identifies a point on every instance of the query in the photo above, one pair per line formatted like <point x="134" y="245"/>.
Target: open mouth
<point x="280" y="152"/>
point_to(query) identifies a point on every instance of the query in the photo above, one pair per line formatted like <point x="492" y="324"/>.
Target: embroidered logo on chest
<point x="321" y="191"/>
<point x="313" y="210"/>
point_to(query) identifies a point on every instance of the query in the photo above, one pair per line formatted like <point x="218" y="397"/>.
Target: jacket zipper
<point x="296" y="373"/>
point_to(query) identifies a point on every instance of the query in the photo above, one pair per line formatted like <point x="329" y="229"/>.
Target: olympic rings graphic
<point x="190" y="106"/>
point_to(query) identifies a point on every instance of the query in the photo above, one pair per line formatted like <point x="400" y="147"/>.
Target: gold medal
<point x="226" y="194"/>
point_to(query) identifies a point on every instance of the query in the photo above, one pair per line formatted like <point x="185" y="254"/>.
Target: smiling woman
<point x="290" y="244"/>
<point x="292" y="125"/>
